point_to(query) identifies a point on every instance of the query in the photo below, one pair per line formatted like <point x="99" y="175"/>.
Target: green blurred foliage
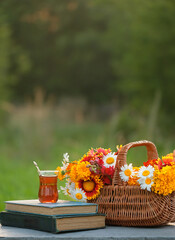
<point x="45" y="142"/>
<point x="58" y="47"/>
<point x="101" y="50"/>
<point x="117" y="55"/>
<point x="142" y="35"/>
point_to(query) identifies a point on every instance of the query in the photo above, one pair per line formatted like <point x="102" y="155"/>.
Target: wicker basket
<point x="126" y="205"/>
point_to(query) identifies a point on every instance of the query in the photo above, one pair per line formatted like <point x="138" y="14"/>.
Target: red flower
<point x="91" y="152"/>
<point x="150" y="162"/>
<point x="167" y="160"/>
<point x="95" y="191"/>
<point x="108" y="171"/>
<point x="104" y="151"/>
<point x="100" y="162"/>
<point x="86" y="158"/>
<point x="160" y="164"/>
<point x="107" y="180"/>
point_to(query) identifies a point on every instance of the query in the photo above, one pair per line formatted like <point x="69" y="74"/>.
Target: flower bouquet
<point x="129" y="196"/>
<point x="87" y="176"/>
<point x="156" y="175"/>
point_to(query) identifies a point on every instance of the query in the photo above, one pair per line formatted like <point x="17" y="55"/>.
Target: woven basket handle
<point x="121" y="159"/>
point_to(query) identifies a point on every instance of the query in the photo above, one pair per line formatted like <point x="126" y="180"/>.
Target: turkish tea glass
<point x="48" y="192"/>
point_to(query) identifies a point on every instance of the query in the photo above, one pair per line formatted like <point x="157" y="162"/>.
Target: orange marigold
<point x="70" y="166"/>
<point x="79" y="171"/>
<point x="83" y="171"/>
<point x="73" y="173"/>
<point x="133" y="180"/>
<point x="61" y="174"/>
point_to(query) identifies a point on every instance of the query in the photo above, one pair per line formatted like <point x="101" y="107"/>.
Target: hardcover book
<point x="54" y="224"/>
<point x="61" y="207"/>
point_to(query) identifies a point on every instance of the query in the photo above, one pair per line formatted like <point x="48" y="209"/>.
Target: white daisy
<point x="69" y="188"/>
<point x="146" y="183"/>
<point x="65" y="161"/>
<point x="64" y="190"/>
<point x="146" y="172"/>
<point x="66" y="157"/>
<point x="79" y="195"/>
<point x="109" y="160"/>
<point x="126" y="172"/>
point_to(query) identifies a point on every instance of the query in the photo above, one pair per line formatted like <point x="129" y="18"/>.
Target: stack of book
<point x="57" y="217"/>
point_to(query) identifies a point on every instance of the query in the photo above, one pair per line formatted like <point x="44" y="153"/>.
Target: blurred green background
<point x="77" y="74"/>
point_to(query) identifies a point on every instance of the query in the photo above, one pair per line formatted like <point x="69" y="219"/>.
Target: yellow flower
<point x="70" y="166"/>
<point x="73" y="173"/>
<point x="119" y="147"/>
<point x="61" y="176"/>
<point x="79" y="171"/>
<point x="133" y="180"/>
<point x="164" y="180"/>
<point x="169" y="155"/>
<point x="83" y="171"/>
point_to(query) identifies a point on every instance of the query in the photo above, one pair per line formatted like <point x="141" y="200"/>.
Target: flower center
<point x="88" y="186"/>
<point x="79" y="196"/>
<point x="127" y="172"/>
<point x="146" y="173"/>
<point x="148" y="181"/>
<point x="110" y="160"/>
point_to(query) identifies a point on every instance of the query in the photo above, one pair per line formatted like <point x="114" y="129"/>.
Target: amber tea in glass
<point x="48" y="192"/>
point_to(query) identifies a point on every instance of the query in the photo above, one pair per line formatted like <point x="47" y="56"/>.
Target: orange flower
<point x="73" y="173"/>
<point x="61" y="174"/>
<point x="70" y="166"/>
<point x="133" y="180"/>
<point x="166" y="161"/>
<point x="83" y="171"/>
<point x="169" y="155"/>
<point x="150" y="162"/>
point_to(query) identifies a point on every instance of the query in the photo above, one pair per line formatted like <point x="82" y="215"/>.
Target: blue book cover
<point x="61" y="207"/>
<point x="54" y="224"/>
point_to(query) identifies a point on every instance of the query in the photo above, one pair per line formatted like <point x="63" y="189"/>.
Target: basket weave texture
<point x="126" y="205"/>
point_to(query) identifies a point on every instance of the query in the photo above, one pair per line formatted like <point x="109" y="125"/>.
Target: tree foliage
<point x="102" y="50"/>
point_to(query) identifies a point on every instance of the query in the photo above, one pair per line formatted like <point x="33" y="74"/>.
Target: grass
<point x="45" y="140"/>
<point x="19" y="179"/>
